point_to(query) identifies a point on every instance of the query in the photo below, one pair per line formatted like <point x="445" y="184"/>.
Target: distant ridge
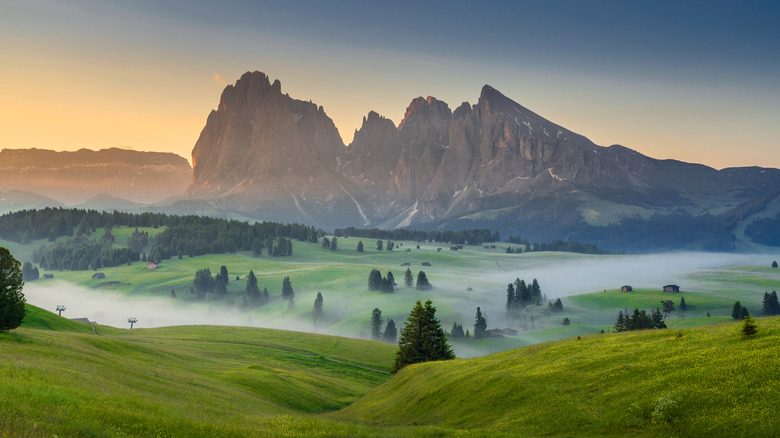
<point x="74" y="177"/>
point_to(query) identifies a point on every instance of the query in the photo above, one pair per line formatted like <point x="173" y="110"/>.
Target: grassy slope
<point x="60" y="378"/>
<point x="710" y="381"/>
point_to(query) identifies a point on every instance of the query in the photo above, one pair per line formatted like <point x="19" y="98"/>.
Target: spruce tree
<point x="391" y="332"/>
<point x="620" y="325"/>
<point x="736" y="312"/>
<point x="422" y="281"/>
<point x="379" y="245"/>
<point x="422" y="338"/>
<point x="360" y="246"/>
<point x="223" y="273"/>
<point x="375" y="280"/>
<point x="774" y="264"/>
<point x="334" y="244"/>
<point x="408" y="278"/>
<point x="326" y="243"/>
<point x="749" y="326"/>
<point x="287" y="290"/>
<point x="480" y="325"/>
<point x="252" y="291"/>
<point x="317" y="312"/>
<point x="510" y="298"/>
<point x="376" y="324"/>
<point x="683" y="306"/>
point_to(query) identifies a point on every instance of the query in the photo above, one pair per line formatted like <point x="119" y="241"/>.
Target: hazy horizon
<point x="695" y="82"/>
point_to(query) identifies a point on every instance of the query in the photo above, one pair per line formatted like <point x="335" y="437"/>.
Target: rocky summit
<point x="493" y="164"/>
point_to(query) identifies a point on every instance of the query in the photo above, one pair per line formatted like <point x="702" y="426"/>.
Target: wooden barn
<point x="627" y="289"/>
<point x="98" y="275"/>
<point x="671" y="288"/>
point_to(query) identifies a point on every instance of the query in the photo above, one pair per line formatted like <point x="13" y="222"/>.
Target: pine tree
<point x="12" y="300"/>
<point x="287" y="290"/>
<point x="535" y="292"/>
<point x="376" y="324"/>
<point x="360" y="246"/>
<point x="510" y="298"/>
<point x="480" y="325"/>
<point x="334" y="244"/>
<point x="457" y="330"/>
<point x="223" y="273"/>
<point x="736" y="312"/>
<point x="391" y="333"/>
<point x="620" y="325"/>
<point x="657" y="319"/>
<point x="683" y="306"/>
<point x="173" y="293"/>
<point x="422" y="281"/>
<point x="317" y="312"/>
<point x="668" y="306"/>
<point x="252" y="291"/>
<point x="774" y="264"/>
<point x="422" y="338"/>
<point x="379" y="245"/>
<point x="390" y="245"/>
<point x="326" y="243"/>
<point x="749" y="326"/>
<point x="408" y="278"/>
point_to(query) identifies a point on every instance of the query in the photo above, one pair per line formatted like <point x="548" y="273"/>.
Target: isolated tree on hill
<point x="557" y="306"/>
<point x="379" y="245"/>
<point x="360" y="246"/>
<point x="11" y="297"/>
<point x="376" y="324"/>
<point x="683" y="306"/>
<point x="317" y="312"/>
<point x="223" y="273"/>
<point x="422" y="338"/>
<point x="252" y="290"/>
<point x="566" y="321"/>
<point x="774" y="264"/>
<point x="287" y="291"/>
<point x="390" y="245"/>
<point x="408" y="278"/>
<point x="422" y="281"/>
<point x="737" y="312"/>
<point x="480" y="324"/>
<point x="334" y="244"/>
<point x="391" y="333"/>
<point x="668" y="306"/>
<point x="749" y="326"/>
<point x="325" y="243"/>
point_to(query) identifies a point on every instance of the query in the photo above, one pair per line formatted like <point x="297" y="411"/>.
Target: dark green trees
<point x="391" y="333"/>
<point x="29" y="272"/>
<point x="254" y="297"/>
<point x="379" y="245"/>
<point x="422" y="281"/>
<point x="203" y="283"/>
<point x="288" y="293"/>
<point x="375" y="280"/>
<point x="668" y="306"/>
<point x="557" y="306"/>
<point x="774" y="264"/>
<point x="520" y="295"/>
<point x="480" y="324"/>
<point x="739" y="312"/>
<point x="422" y="338"/>
<point x="334" y="245"/>
<point x="749" y="326"/>
<point x="376" y="324"/>
<point x="683" y="306"/>
<point x="408" y="278"/>
<point x="360" y="246"/>
<point x="11" y="296"/>
<point x="640" y="320"/>
<point x="770" y="306"/>
<point x="326" y="243"/>
<point x="317" y="312"/>
<point x="457" y="330"/>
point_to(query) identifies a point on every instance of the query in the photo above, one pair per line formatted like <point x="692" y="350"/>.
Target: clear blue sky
<point x="696" y="81"/>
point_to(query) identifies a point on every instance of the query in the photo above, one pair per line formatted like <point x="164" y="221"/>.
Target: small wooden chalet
<point x="494" y="333"/>
<point x="97" y="275"/>
<point x="509" y="332"/>
<point x="426" y="263"/>
<point x="627" y="289"/>
<point x="405" y="264"/>
<point x="671" y="288"/>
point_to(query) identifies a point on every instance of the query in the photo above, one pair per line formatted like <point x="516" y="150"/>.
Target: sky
<point x="695" y="81"/>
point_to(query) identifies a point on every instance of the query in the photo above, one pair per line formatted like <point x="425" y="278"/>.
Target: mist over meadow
<point x="558" y="276"/>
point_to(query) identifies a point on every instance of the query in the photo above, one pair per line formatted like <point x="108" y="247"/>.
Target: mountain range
<point x="493" y="164"/>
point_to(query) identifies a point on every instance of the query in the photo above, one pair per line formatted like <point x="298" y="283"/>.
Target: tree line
<point x="474" y="236"/>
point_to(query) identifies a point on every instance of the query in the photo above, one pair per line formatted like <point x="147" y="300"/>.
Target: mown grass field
<point x="61" y="379"/>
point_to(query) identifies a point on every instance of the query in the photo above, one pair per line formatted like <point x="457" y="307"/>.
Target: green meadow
<point x="463" y="280"/>
<point x="60" y="378"/>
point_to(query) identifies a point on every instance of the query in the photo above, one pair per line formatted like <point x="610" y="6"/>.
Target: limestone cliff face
<point x="265" y="152"/>
<point x="73" y="177"/>
<point x="261" y="144"/>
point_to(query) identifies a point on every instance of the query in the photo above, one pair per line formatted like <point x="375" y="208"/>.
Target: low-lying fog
<point x="558" y="278"/>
